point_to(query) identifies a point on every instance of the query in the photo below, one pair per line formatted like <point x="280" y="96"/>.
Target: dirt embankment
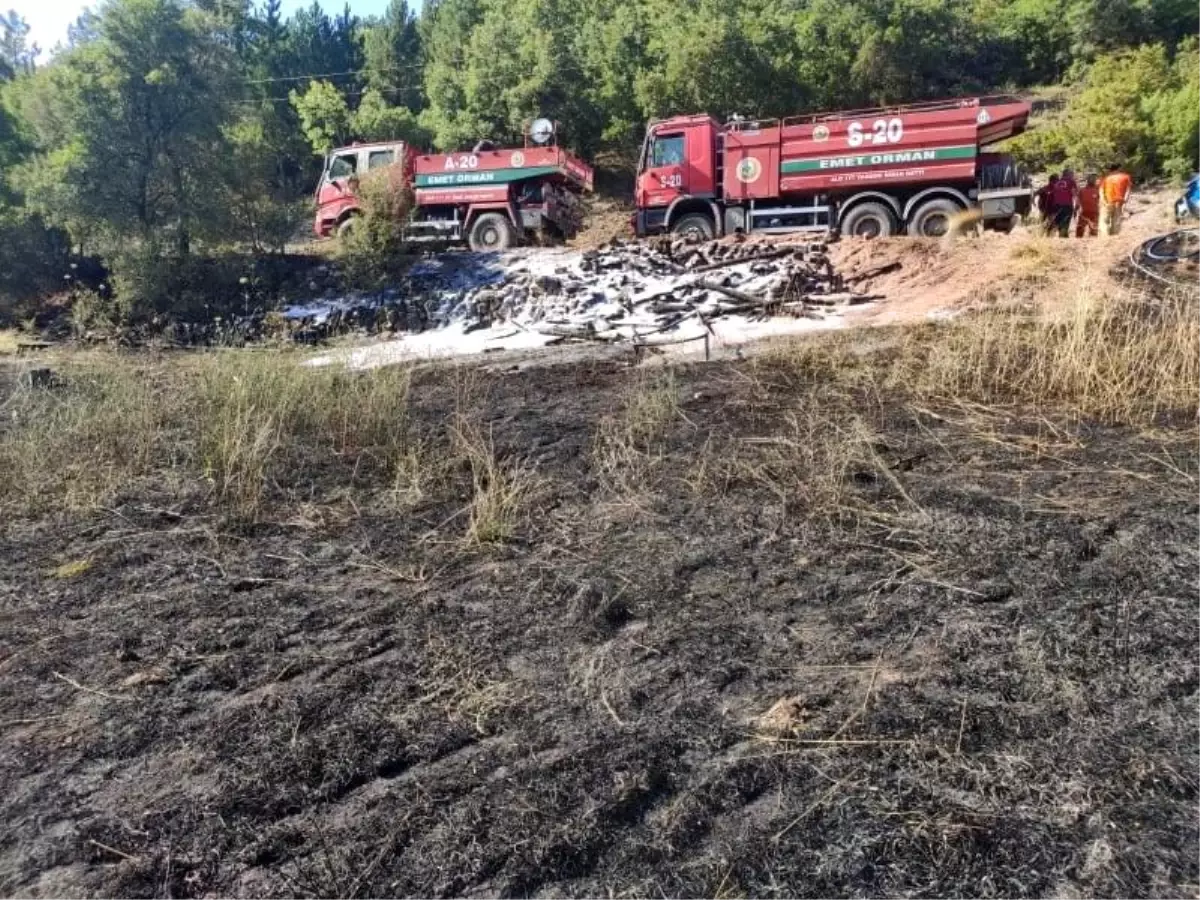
<point x="750" y="637"/>
<point x="936" y="278"/>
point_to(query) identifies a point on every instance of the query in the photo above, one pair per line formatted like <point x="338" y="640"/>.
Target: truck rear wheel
<point x="933" y="218"/>
<point x="491" y="233"/>
<point x="869" y="220"/>
<point x="695" y="225"/>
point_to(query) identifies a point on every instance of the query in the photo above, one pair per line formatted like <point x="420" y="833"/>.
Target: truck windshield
<point x="667" y="151"/>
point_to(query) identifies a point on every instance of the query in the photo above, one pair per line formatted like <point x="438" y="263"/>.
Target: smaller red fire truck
<point x="492" y="199"/>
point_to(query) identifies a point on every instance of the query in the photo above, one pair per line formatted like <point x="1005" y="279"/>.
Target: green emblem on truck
<point x="748" y="170"/>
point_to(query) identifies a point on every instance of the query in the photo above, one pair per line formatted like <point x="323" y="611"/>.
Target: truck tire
<point x="347" y="226"/>
<point x="491" y="233"/>
<point x="869" y="220"/>
<point x="933" y="218"/>
<point x="696" y="224"/>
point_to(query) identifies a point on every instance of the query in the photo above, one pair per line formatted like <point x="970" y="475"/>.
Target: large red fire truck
<point x="873" y="172"/>
<point x="490" y="198"/>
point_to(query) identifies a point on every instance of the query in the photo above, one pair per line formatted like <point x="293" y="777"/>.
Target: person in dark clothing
<point x="1045" y="204"/>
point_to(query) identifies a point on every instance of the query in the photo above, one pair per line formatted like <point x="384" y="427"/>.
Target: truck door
<point x="336" y="183"/>
<point x="664" y="173"/>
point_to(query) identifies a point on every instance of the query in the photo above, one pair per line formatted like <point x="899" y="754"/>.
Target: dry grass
<point x="251" y="428"/>
<point x="1123" y="357"/>
<point x="77" y="446"/>
<point x="72" y="569"/>
<point x="234" y="419"/>
<point x="1119" y="360"/>
<point x="467" y="693"/>
<point x="256" y="406"/>
<point x="1036" y="255"/>
<point x="500" y="491"/>
<point x="254" y="425"/>
<point x="814" y="459"/>
<point x="415" y="470"/>
<point x="630" y="442"/>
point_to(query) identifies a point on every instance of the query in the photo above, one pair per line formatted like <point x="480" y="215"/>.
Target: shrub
<point x="374" y="246"/>
<point x="1136" y="108"/>
<point x="33" y="258"/>
<point x="152" y="283"/>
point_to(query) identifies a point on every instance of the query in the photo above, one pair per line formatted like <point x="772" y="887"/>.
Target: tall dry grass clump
<point x="1117" y="358"/>
<point x="239" y="421"/>
<point x="245" y="410"/>
<point x="1120" y="354"/>
<point x="629" y="441"/>
<point x="262" y="411"/>
<point x="500" y="491"/>
<point x="76" y="444"/>
<point x="821" y="450"/>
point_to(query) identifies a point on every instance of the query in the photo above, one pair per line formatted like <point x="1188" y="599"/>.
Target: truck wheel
<point x="695" y="225"/>
<point x="869" y="220"/>
<point x="491" y="233"/>
<point x="933" y="218"/>
<point x="347" y="227"/>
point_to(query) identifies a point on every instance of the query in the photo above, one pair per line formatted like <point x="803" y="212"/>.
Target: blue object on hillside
<point x="1188" y="206"/>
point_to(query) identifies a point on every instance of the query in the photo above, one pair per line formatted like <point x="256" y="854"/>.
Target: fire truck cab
<point x="337" y="196"/>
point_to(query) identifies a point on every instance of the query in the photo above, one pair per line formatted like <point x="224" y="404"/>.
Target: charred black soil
<point x="720" y="654"/>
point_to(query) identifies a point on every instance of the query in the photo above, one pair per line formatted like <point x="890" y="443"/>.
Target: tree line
<point x="163" y="126"/>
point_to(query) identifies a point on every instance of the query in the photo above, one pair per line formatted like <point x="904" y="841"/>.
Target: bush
<point x="153" y="284"/>
<point x="374" y="246"/>
<point x="33" y="259"/>
<point x="1136" y="108"/>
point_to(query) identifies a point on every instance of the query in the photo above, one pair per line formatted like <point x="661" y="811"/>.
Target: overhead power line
<point x="347" y="94"/>
<point x="333" y="74"/>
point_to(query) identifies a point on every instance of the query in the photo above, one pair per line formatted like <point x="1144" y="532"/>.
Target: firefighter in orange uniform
<point x="1114" y="191"/>
<point x="1087" y="208"/>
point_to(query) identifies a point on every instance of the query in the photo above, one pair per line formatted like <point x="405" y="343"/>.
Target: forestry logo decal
<point x="821" y="133"/>
<point x="748" y="170"/>
<point x="518" y="159"/>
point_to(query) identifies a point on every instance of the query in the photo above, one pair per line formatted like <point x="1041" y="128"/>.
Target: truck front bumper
<point x="650" y="221"/>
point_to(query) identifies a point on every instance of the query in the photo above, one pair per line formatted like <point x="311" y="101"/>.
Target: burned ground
<point x="949" y="650"/>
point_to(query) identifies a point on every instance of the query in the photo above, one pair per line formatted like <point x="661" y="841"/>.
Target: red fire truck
<point x="871" y="172"/>
<point x="489" y="198"/>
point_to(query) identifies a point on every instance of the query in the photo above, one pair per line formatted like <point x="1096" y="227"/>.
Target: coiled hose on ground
<point x="1166" y="257"/>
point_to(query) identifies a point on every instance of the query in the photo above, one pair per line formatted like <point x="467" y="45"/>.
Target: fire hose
<point x="1155" y="257"/>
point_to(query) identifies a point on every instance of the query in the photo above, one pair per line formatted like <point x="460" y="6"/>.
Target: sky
<point x="48" y="19"/>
